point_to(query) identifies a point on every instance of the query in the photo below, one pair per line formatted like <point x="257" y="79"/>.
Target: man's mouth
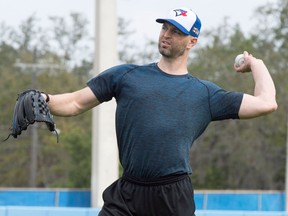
<point x="165" y="43"/>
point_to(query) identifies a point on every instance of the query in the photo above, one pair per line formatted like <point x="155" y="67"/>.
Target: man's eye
<point x="176" y="31"/>
<point x="164" y="27"/>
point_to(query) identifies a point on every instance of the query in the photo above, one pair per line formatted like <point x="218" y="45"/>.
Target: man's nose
<point x="167" y="33"/>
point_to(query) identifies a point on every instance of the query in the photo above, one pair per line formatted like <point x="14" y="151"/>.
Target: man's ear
<point x="192" y="42"/>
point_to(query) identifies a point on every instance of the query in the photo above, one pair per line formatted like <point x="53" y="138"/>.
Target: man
<point x="161" y="110"/>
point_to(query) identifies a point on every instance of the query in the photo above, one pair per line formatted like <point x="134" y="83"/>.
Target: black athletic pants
<point x="166" y="196"/>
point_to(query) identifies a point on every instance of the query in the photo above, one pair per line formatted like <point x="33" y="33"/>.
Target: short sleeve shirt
<point x="159" y="116"/>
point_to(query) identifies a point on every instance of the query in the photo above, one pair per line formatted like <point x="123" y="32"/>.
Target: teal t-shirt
<point x="159" y="116"/>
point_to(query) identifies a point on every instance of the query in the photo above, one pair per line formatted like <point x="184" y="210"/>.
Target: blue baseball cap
<point x="185" y="20"/>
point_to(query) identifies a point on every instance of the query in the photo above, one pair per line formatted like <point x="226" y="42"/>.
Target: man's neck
<point x="173" y="67"/>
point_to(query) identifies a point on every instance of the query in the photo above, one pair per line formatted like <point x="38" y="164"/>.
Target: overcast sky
<point x="141" y="13"/>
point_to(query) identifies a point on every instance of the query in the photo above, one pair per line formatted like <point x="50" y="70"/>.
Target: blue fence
<point x="45" y="197"/>
<point x="55" y="201"/>
<point x="72" y="211"/>
<point x="47" y="211"/>
<point x="239" y="213"/>
<point x="240" y="200"/>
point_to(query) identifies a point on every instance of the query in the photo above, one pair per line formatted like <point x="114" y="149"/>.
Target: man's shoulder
<point x="207" y="83"/>
<point x="126" y="68"/>
<point x="134" y="66"/>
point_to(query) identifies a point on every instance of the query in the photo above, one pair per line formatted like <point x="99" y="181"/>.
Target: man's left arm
<point x="263" y="101"/>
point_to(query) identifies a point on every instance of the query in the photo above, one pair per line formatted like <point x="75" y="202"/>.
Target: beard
<point x="171" y="51"/>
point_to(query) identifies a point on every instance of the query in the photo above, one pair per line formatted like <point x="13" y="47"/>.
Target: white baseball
<point x="239" y="60"/>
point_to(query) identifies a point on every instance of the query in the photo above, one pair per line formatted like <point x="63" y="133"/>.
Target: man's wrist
<point x="45" y="96"/>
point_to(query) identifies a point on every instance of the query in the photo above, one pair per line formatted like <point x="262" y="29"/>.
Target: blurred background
<point x="50" y="46"/>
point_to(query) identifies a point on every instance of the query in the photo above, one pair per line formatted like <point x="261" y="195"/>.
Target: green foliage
<point x="244" y="154"/>
<point x="229" y="155"/>
<point x="29" y="61"/>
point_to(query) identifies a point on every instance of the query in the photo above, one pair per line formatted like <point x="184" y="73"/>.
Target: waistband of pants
<point x="164" y="180"/>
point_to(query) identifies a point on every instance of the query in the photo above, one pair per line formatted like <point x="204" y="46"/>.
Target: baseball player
<point x="161" y="110"/>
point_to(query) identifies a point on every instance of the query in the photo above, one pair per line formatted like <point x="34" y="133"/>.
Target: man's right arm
<point x="263" y="101"/>
<point x="72" y="104"/>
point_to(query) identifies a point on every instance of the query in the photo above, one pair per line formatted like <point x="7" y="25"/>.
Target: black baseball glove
<point x="31" y="107"/>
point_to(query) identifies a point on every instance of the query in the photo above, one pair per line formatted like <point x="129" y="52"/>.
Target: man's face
<point x="172" y="42"/>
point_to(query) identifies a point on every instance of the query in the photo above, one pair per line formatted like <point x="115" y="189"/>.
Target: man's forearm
<point x="72" y="104"/>
<point x="264" y="85"/>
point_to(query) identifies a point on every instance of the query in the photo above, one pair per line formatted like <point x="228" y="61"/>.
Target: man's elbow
<point x="274" y="107"/>
<point x="271" y="107"/>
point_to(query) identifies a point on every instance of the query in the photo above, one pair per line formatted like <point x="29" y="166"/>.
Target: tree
<point x="33" y="49"/>
<point x="246" y="154"/>
<point x="229" y="155"/>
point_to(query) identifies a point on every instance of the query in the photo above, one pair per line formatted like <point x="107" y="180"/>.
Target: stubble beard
<point x="171" y="52"/>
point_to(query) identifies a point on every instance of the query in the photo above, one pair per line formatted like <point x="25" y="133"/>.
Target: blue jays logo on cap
<point x="180" y="12"/>
<point x="185" y="20"/>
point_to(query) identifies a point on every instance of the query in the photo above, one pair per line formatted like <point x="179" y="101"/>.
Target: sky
<point x="140" y="13"/>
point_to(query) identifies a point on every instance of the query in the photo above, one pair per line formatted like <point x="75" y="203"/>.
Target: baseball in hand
<point x="239" y="60"/>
